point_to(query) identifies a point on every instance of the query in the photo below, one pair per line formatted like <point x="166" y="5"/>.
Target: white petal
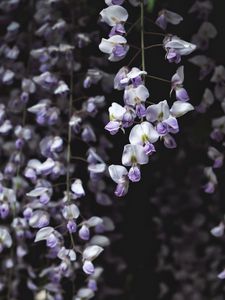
<point x="142" y="93"/>
<point x="97" y="168"/>
<point x="94" y="221"/>
<point x="179" y="108"/>
<point x="218" y="231"/>
<point x="114" y="14"/>
<point x="172" y="17"/>
<point x="134" y="154"/>
<point x="85" y="293"/>
<point x="117" y="172"/>
<point x="43" y="234"/>
<point x="106" y="46"/>
<point x="141" y="133"/>
<point x="178" y="77"/>
<point x="116" y="111"/>
<point x="37" y="192"/>
<point x="37" y="108"/>
<point x="135" y="72"/>
<point x="158" y="112"/>
<point x="47" y="165"/>
<point x="77" y="188"/>
<point x="100" y="240"/>
<point x="71" y="212"/>
<point x="91" y="252"/>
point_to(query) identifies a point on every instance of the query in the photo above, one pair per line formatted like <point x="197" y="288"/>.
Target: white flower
<point x="37" y="192"/>
<point x="5" y="238"/>
<point x="143" y="133"/>
<point x="158" y="112"/>
<point x="71" y="212"/>
<point x="77" y="188"/>
<point x="43" y="234"/>
<point x="167" y="16"/>
<point x="114" y="15"/>
<point x="179" y="108"/>
<point x="116" y="46"/>
<point x="67" y="253"/>
<point x="134" y="154"/>
<point x="116" y="112"/>
<point x="133" y="96"/>
<point x="218" y="231"/>
<point x="91" y="252"/>
<point x="118" y="173"/>
<point x="180" y="46"/>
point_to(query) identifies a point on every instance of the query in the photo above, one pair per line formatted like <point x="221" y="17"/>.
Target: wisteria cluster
<point x="151" y="123"/>
<point x="61" y="228"/>
<point x="46" y="116"/>
<point x="215" y="92"/>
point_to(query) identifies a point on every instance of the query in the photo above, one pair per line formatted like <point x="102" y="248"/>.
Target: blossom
<point x="116" y="46"/>
<point x="119" y="175"/>
<point x="218" y="231"/>
<point x="177" y="85"/>
<point x="116" y="113"/>
<point x="202" y="8"/>
<point x="136" y="97"/>
<point x="113" y="15"/>
<point x="206" y="32"/>
<point x="161" y="114"/>
<point x="216" y="156"/>
<point x="144" y="134"/>
<point x="124" y="77"/>
<point x="209" y="188"/>
<point x="77" y="188"/>
<point x="134" y="155"/>
<point x="206" y="102"/>
<point x="205" y="64"/>
<point x="5" y="238"/>
<point x="167" y="16"/>
<point x="176" y="47"/>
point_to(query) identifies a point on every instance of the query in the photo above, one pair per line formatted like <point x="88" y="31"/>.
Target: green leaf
<point x="150" y="5"/>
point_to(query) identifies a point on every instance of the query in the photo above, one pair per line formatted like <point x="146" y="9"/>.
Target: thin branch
<point x="153" y="46"/>
<point x="158" y="78"/>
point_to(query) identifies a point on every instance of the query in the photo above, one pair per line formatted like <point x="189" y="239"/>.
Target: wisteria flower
<point x="116" y="46"/>
<point x="114" y="15"/>
<point x="5" y="238"/>
<point x="116" y="113"/>
<point x="177" y="85"/>
<point x="124" y="77"/>
<point x="167" y="16"/>
<point x="176" y="47"/>
<point x="144" y="134"/>
<point x="206" y="32"/>
<point x="119" y="175"/>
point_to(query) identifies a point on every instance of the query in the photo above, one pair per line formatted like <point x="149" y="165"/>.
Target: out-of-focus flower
<point x="166" y="16"/>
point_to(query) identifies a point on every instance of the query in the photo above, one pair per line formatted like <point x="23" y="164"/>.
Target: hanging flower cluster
<point x="47" y="186"/>
<point x="148" y="123"/>
<point x="216" y="93"/>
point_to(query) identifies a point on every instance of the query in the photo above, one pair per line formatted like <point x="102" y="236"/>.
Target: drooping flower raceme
<point x="156" y="121"/>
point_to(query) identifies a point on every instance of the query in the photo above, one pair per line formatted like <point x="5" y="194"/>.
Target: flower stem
<point x="142" y="37"/>
<point x="155" y="33"/>
<point x="153" y="46"/>
<point x="158" y="78"/>
<point x="132" y="26"/>
<point x="68" y="155"/>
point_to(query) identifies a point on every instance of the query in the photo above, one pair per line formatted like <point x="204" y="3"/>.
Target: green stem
<point x="153" y="46"/>
<point x="68" y="155"/>
<point x="142" y="37"/>
<point x="158" y="78"/>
